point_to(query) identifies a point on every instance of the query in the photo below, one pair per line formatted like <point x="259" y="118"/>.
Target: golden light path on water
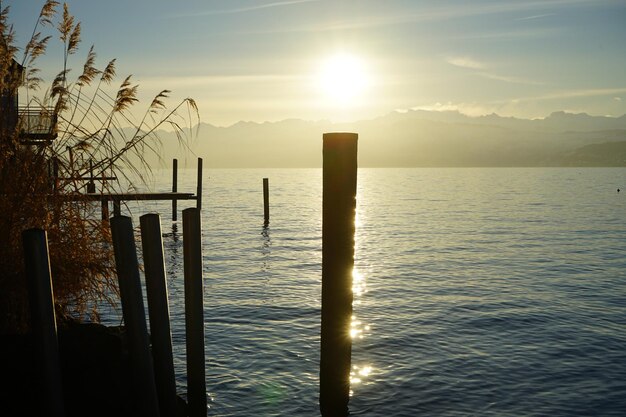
<point x="358" y="329"/>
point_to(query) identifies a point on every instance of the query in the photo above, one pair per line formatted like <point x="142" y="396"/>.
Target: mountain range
<point x="415" y="138"/>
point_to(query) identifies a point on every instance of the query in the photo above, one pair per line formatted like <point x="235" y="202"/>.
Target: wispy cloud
<point x="575" y="93"/>
<point x="465" y="62"/>
<point x="244" y="9"/>
<point x="537" y="16"/>
<point x="468" y="109"/>
<point x="436" y="13"/>
<point x="508" y="78"/>
<point x="482" y="70"/>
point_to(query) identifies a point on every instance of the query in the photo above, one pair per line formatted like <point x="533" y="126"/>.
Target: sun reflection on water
<point x="359" y="374"/>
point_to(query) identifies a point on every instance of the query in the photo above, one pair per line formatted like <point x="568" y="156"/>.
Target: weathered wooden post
<point x="158" y="309"/>
<point x="91" y="185"/>
<point x="194" y="312"/>
<point x="174" y="188"/>
<point x="134" y="315"/>
<point x="117" y="207"/>
<point x="266" y="201"/>
<point x="199" y="185"/>
<point x="105" y="209"/>
<point x="338" y="216"/>
<point x="43" y="320"/>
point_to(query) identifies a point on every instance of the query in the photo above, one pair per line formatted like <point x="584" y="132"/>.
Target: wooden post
<point x="71" y="161"/>
<point x="199" y="184"/>
<point x="338" y="216"/>
<point x="266" y="201"/>
<point x="91" y="185"/>
<point x="134" y="315"/>
<point x="174" y="188"/>
<point x="43" y="321"/>
<point x="117" y="209"/>
<point x="105" y="209"/>
<point x="194" y="312"/>
<point x="158" y="309"/>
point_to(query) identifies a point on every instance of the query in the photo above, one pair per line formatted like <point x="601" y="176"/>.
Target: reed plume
<point x="96" y="129"/>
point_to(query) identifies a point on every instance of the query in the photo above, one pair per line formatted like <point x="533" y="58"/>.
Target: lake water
<point x="478" y="292"/>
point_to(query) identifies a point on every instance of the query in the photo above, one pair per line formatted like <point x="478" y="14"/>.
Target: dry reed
<point x="95" y="130"/>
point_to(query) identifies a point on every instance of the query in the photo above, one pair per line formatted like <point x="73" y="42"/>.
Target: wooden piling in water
<point x="117" y="207"/>
<point x="105" y="210"/>
<point x="194" y="310"/>
<point x="134" y="315"/>
<point x="338" y="216"/>
<point x="43" y="321"/>
<point x="174" y="189"/>
<point x="91" y="185"/>
<point x="199" y="186"/>
<point x="266" y="201"/>
<point x="158" y="310"/>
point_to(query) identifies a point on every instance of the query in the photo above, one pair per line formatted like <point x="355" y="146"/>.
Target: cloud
<point x="508" y="79"/>
<point x="465" y="62"/>
<point x="436" y="13"/>
<point x="219" y="80"/>
<point x="244" y="9"/>
<point x="481" y="69"/>
<point x="556" y="95"/>
<point x="538" y="16"/>
<point x="468" y="109"/>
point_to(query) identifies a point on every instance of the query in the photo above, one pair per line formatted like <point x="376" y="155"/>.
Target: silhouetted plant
<point x="95" y="130"/>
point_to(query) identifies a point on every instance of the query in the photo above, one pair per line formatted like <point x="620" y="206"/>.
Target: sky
<point x="262" y="60"/>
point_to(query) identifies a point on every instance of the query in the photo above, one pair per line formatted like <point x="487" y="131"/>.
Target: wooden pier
<point x="118" y="197"/>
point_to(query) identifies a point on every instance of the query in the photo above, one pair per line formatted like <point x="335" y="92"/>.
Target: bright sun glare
<point x="343" y="79"/>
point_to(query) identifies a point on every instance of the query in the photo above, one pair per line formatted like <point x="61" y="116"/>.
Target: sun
<point x="343" y="79"/>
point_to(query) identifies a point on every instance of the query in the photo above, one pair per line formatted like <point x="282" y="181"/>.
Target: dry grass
<point x="94" y="125"/>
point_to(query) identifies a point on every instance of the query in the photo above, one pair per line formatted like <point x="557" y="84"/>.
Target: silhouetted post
<point x="43" y="320"/>
<point x="158" y="309"/>
<point x="91" y="185"/>
<point x="117" y="207"/>
<point x="134" y="315"/>
<point x="174" y="188"/>
<point x="194" y="312"/>
<point x="266" y="200"/>
<point x="105" y="209"/>
<point x="338" y="215"/>
<point x="199" y="184"/>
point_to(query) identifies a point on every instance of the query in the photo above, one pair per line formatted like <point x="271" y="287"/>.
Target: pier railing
<point x="37" y="125"/>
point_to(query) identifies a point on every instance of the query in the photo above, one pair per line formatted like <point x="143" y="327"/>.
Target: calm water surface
<point x="478" y="292"/>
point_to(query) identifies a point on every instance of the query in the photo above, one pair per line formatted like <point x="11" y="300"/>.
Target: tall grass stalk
<point x="96" y="125"/>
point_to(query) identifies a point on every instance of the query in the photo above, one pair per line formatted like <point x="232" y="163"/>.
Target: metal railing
<point x="37" y="123"/>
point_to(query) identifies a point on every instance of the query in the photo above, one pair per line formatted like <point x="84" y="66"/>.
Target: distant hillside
<point x="417" y="139"/>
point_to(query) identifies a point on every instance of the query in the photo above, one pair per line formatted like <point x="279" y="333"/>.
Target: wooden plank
<point x="129" y="196"/>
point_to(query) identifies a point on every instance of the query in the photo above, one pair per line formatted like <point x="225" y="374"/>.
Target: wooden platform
<point x="104" y="197"/>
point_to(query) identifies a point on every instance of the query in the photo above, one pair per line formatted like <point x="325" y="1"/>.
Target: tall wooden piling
<point x="105" y="210"/>
<point x="194" y="311"/>
<point x="91" y="185"/>
<point x="43" y="321"/>
<point x="158" y="310"/>
<point x="338" y="216"/>
<point x="266" y="200"/>
<point x="199" y="186"/>
<point x="174" y="188"/>
<point x="134" y="315"/>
